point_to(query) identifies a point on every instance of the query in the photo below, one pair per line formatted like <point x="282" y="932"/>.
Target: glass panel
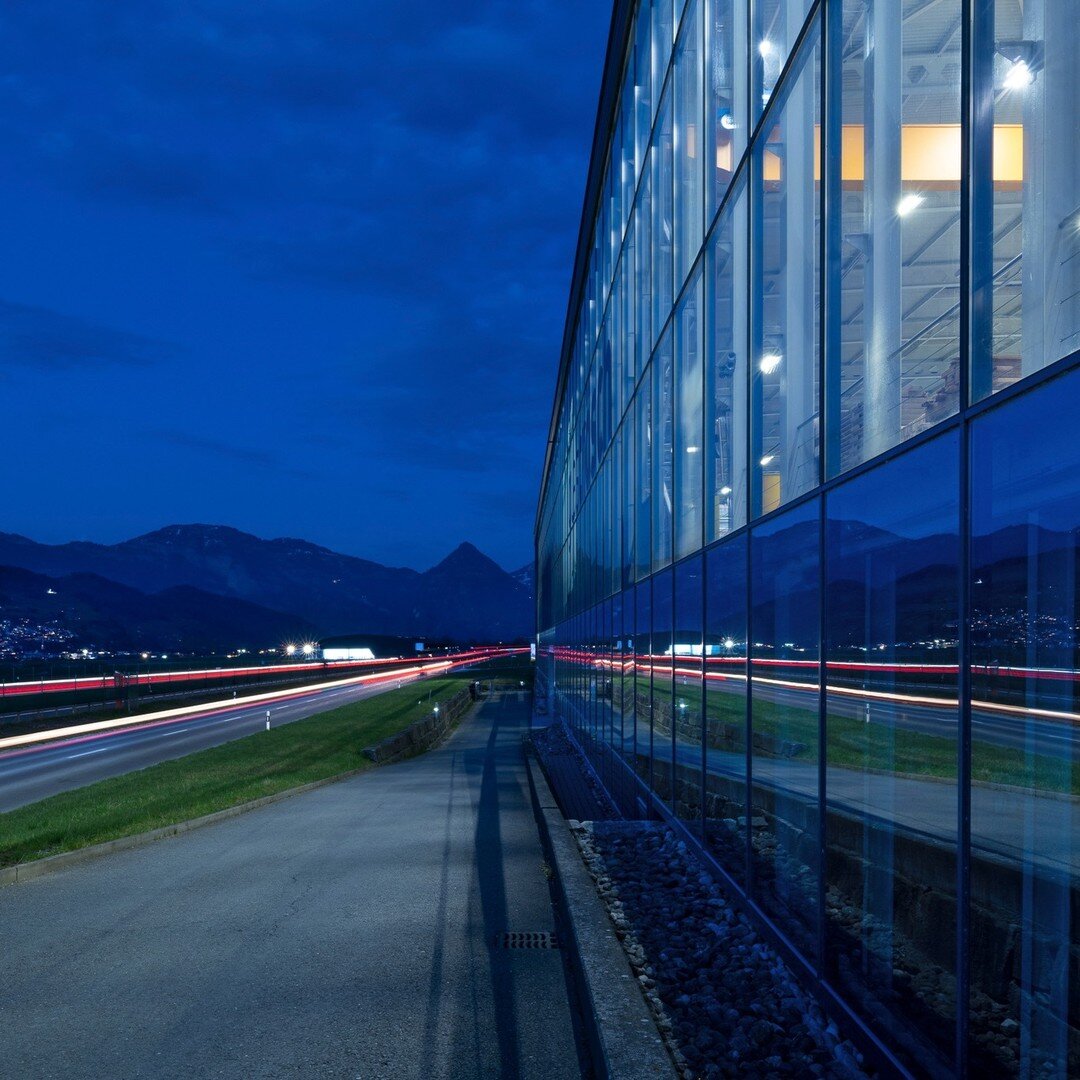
<point x="644" y="451"/>
<point x="661" y="163"/>
<point x="776" y="27"/>
<point x="725" y="705"/>
<point x="786" y="290"/>
<point x="663" y="33"/>
<point x="725" y="390"/>
<point x="643" y="264"/>
<point x="1036" y="189"/>
<point x="663" y="464"/>
<point x="726" y="113"/>
<point x="643" y="681"/>
<point x="899" y="259"/>
<point x="1025" y="752"/>
<point x="660" y="658"/>
<point x="689" y="104"/>
<point x="784" y="720"/>
<point x="689" y="457"/>
<point x="642" y="85"/>
<point x="686" y="649"/>
<point x="891" y="748"/>
<point x="627" y="461"/>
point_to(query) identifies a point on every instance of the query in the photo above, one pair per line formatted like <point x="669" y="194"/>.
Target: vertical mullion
<point x="976" y="236"/>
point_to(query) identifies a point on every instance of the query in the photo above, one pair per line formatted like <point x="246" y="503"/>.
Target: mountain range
<point x="195" y="587"/>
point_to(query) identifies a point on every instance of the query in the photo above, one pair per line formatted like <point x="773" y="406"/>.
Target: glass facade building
<point x="808" y="538"/>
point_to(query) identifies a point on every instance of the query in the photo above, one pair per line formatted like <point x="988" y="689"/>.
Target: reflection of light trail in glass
<point x="646" y="664"/>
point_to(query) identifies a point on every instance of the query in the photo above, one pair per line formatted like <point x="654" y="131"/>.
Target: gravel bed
<point x="580" y="793"/>
<point x="724" y="1000"/>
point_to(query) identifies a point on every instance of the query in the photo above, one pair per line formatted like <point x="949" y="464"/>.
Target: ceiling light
<point x="1019" y="76"/>
<point x="770" y="362"/>
<point x="911" y="201"/>
<point x="727" y="121"/>
<point x="765" y="47"/>
<point x="692" y="449"/>
<point x="767" y="458"/>
<point x="725" y="490"/>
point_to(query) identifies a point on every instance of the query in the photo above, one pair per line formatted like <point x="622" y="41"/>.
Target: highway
<point x="38" y="771"/>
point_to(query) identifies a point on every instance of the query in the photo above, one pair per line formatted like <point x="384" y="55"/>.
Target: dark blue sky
<point x="298" y="267"/>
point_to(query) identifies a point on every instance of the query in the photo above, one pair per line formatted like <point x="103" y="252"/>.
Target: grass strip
<point x="316" y="748"/>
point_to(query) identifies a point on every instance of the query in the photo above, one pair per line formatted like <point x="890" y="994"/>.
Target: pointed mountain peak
<point x="466" y="557"/>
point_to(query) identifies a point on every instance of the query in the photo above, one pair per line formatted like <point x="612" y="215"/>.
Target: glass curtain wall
<point x="806" y="542"/>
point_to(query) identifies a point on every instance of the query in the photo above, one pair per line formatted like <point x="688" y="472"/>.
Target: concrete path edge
<point x="12" y="875"/>
<point x="623" y="1037"/>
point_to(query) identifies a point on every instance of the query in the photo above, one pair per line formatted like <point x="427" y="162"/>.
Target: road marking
<point x="87" y="753"/>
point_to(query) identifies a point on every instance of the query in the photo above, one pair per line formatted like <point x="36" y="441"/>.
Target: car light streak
<point x="41" y="740"/>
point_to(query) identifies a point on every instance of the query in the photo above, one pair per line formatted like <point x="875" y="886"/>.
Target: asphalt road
<point x="350" y="931"/>
<point x="33" y="773"/>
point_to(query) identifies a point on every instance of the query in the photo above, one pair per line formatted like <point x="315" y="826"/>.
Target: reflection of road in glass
<point x="925" y="806"/>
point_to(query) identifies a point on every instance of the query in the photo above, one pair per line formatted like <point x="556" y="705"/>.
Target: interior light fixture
<point x="770" y="362"/>
<point x="692" y="449"/>
<point x="725" y="490"/>
<point x="727" y="121"/>
<point x="765" y="47"/>
<point x="909" y="203"/>
<point x="767" y="459"/>
<point x="1019" y="76"/>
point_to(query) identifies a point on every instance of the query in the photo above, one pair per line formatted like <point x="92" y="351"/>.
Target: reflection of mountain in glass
<point x="916" y="580"/>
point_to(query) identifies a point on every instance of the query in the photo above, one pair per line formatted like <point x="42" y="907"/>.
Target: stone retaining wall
<point x="423" y="734"/>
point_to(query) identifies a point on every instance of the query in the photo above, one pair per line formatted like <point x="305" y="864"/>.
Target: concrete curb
<point x="623" y="1038"/>
<point x="12" y="875"/>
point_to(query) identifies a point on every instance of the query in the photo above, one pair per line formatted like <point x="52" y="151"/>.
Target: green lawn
<point x="321" y="746"/>
<point x="853" y="744"/>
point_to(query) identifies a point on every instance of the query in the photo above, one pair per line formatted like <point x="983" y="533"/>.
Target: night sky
<point x="296" y="267"/>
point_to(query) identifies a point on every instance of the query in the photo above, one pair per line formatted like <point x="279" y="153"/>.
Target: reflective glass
<point x="688" y="144"/>
<point x="891" y="747"/>
<point x="643" y="470"/>
<point x="776" y="27"/>
<point x="1035" y="271"/>
<point x="725" y="704"/>
<point x="898" y="298"/>
<point x="727" y="291"/>
<point x="642" y="84"/>
<point x="686" y="651"/>
<point x="662" y="167"/>
<point x="784" y="632"/>
<point x="726" y="88"/>
<point x="643" y="680"/>
<point x="660" y="662"/>
<point x="1025" y="736"/>
<point x="663" y="502"/>
<point x="689" y="443"/>
<point x="786" y="291"/>
<point x="628" y="492"/>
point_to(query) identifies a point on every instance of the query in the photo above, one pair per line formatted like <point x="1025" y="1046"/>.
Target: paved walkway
<point x="348" y="931"/>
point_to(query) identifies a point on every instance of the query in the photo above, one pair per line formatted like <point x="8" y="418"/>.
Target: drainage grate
<point x="527" y="939"/>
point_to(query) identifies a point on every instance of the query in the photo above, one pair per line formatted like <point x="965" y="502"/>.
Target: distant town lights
<point x="308" y="648"/>
<point x="770" y="362"/>
<point x="909" y="203"/>
<point x="290" y="650"/>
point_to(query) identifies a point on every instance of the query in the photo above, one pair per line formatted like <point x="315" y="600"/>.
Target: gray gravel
<point x="724" y="1000"/>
